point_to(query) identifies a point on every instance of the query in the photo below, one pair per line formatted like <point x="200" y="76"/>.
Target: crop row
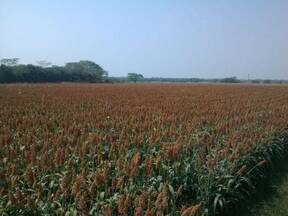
<point x="148" y="149"/>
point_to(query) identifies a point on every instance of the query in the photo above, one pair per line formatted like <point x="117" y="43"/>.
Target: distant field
<point x="147" y="149"/>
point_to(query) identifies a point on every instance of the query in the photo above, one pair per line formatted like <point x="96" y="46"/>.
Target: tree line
<point x="193" y="80"/>
<point x="82" y="71"/>
<point x="89" y="71"/>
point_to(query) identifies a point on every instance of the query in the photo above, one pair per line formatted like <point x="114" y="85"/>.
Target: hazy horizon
<point x="207" y="39"/>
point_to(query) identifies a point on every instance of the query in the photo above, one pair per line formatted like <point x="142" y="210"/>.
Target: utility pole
<point x="248" y="77"/>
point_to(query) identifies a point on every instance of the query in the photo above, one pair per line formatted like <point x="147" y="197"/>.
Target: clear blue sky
<point x="167" y="38"/>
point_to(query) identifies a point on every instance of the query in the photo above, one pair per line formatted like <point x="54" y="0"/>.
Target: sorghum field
<point x="146" y="149"/>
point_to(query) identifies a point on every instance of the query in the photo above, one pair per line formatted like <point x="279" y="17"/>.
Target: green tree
<point x="6" y="74"/>
<point x="267" y="81"/>
<point x="230" y="80"/>
<point x="87" y="70"/>
<point x="134" y="77"/>
<point x="82" y="71"/>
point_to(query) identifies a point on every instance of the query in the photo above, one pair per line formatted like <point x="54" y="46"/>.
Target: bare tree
<point x="9" y="61"/>
<point x="44" y="63"/>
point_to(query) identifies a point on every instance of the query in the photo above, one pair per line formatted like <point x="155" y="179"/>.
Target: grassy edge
<point x="274" y="201"/>
<point x="233" y="193"/>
